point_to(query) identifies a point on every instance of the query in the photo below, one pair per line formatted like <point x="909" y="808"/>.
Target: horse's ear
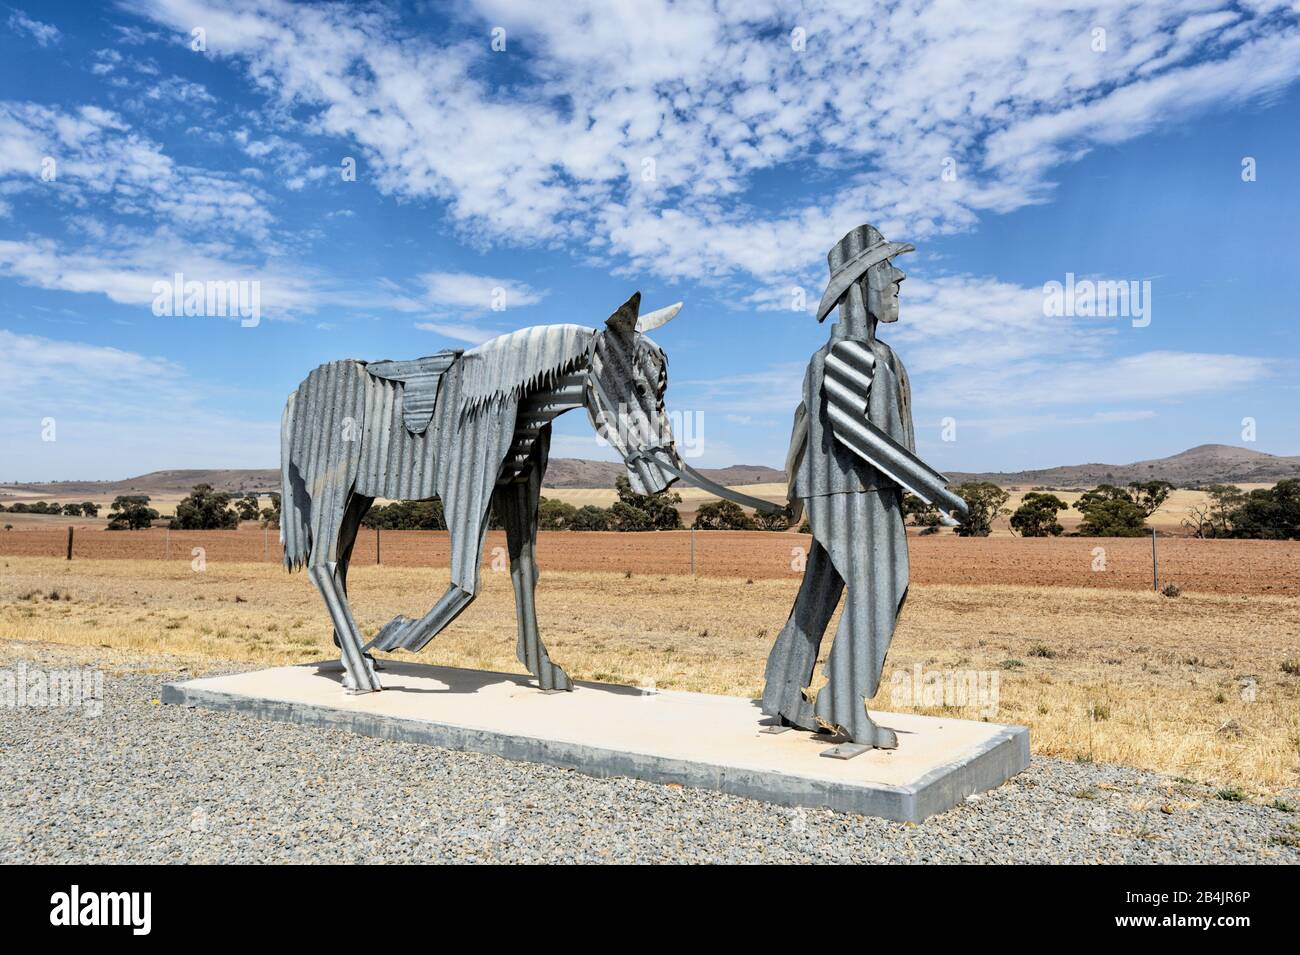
<point x="623" y="321"/>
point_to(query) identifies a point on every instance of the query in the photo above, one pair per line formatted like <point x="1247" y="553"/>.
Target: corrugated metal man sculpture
<point x="852" y="454"/>
<point x="472" y="428"/>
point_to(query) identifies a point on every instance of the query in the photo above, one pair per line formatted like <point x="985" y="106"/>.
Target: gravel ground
<point x="148" y="783"/>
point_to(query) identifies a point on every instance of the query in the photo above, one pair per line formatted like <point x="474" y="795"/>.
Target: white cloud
<point x="714" y="94"/>
<point x="98" y="157"/>
<point x="43" y="33"/>
<point x="477" y="292"/>
<point x="125" y="266"/>
<point x="1154" y="375"/>
<point x="980" y="342"/>
<point x="459" y="331"/>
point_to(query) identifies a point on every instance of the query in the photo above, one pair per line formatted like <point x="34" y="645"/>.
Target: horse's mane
<point x="506" y="367"/>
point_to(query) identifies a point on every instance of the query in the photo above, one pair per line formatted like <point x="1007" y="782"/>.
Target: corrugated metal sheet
<point x="828" y="465"/>
<point x="419" y="379"/>
<point x="345" y="436"/>
<point x="516" y="504"/>
<point x="857" y="538"/>
<point x="852" y="446"/>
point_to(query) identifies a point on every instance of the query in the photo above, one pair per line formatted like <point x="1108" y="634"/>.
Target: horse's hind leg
<point x="358" y="505"/>
<point x="516" y="503"/>
<point x="330" y="578"/>
<point x="359" y="673"/>
<point x="356" y="509"/>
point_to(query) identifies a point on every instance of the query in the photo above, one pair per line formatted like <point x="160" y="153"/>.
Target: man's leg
<point x="790" y="664"/>
<point x="867" y="543"/>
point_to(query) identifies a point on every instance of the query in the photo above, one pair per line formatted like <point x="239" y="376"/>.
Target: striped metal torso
<point x="876" y="376"/>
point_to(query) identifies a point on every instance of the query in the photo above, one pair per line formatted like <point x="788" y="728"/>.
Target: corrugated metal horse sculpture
<point x="472" y="428"/>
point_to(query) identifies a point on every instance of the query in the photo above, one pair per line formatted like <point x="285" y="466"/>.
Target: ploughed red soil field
<point x="1208" y="566"/>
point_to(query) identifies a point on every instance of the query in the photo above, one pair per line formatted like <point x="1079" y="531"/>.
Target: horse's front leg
<point x="516" y="503"/>
<point x="414" y="635"/>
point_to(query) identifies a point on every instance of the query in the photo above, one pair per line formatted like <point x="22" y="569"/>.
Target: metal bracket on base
<point x="552" y="692"/>
<point x="846" y="750"/>
<point x="774" y="726"/>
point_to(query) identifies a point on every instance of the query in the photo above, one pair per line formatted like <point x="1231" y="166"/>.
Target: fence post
<point x="1155" y="566"/>
<point x="692" y="551"/>
<point x="266" y="543"/>
<point x="69" y="542"/>
<point x="167" y="547"/>
<point x="376" y="545"/>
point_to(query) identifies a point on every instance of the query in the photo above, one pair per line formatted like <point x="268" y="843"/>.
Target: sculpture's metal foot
<point x="846" y="750"/>
<point x="774" y="725"/>
<point x="350" y="685"/>
<point x="391" y="636"/>
<point x="880" y="738"/>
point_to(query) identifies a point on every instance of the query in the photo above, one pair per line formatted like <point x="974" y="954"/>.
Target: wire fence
<point x="1222" y="566"/>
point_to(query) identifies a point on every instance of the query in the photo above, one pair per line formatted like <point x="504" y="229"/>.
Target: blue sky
<point x="699" y="152"/>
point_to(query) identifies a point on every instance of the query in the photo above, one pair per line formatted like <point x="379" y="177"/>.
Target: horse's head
<point x="625" y="394"/>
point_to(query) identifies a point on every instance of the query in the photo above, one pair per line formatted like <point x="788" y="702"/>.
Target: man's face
<point x="883" y="281"/>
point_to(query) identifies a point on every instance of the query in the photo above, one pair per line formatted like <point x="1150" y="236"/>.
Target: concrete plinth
<point x="695" y="739"/>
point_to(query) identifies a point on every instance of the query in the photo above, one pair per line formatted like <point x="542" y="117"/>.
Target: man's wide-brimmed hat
<point x="854" y="267"/>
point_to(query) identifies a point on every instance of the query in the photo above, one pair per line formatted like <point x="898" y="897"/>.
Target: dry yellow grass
<point x="1112" y="676"/>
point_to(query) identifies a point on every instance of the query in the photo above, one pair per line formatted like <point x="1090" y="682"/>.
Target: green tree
<point x="660" y="509"/>
<point x="555" y="515"/>
<point x="90" y="509"/>
<point x="772" y="521"/>
<point x="589" y="517"/>
<point x="1149" y="495"/>
<point x="271" y="515"/>
<point x="407" y="516"/>
<point x="984" y="501"/>
<point x="1112" y="517"/>
<point x="205" y="510"/>
<point x="248" y="507"/>
<point x="1214" y="519"/>
<point x="722" y="516"/>
<point x="1271" y="513"/>
<point x="72" y="510"/>
<point x="1100" y="494"/>
<point x="1036" y="515"/>
<point x="628" y="517"/>
<point x="131" y="512"/>
<point x="918" y="513"/>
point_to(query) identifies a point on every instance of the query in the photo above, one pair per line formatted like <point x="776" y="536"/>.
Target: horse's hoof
<point x="390" y="637"/>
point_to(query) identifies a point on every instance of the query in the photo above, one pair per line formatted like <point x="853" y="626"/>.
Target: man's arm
<point x="850" y="370"/>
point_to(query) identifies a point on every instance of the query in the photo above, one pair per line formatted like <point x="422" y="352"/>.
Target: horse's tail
<point x="295" y="505"/>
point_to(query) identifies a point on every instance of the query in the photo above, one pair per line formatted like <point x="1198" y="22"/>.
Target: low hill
<point x="576" y="472"/>
<point x="562" y="472"/>
<point x="1195" y="467"/>
<point x="154" y="484"/>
